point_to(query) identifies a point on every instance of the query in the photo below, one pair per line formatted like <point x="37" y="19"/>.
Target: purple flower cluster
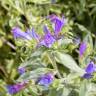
<point x="91" y="67"/>
<point x="28" y="35"/>
<point x="48" y="39"/>
<point x="13" y="89"/>
<point x="82" y="48"/>
<point x="58" y="23"/>
<point x="46" y="79"/>
<point x="21" y="70"/>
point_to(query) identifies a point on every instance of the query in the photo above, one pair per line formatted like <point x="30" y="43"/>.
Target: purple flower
<point x="21" y="70"/>
<point x="13" y="89"/>
<point x="48" y="39"/>
<point x="18" y="33"/>
<point x="87" y="76"/>
<point x="46" y="79"/>
<point x="28" y="35"/>
<point x="89" y="70"/>
<point x="82" y="48"/>
<point x="33" y="34"/>
<point x="58" y="23"/>
<point x="90" y="67"/>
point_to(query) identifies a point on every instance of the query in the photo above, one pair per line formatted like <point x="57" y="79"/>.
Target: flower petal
<point x="82" y="48"/>
<point x="90" y="68"/>
<point x="13" y="89"/>
<point x="21" y="70"/>
<point x="58" y="23"/>
<point x="46" y="79"/>
<point x="87" y="76"/>
<point x="18" y="33"/>
<point x="48" y="39"/>
<point x="33" y="34"/>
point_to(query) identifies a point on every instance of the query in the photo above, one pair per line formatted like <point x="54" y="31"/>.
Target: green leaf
<point x="83" y="89"/>
<point x="87" y="88"/>
<point x="55" y="92"/>
<point x="68" y="62"/>
<point x="82" y="28"/>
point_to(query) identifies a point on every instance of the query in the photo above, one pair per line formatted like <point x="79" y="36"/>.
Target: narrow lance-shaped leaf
<point x="83" y="89"/>
<point x="68" y="62"/>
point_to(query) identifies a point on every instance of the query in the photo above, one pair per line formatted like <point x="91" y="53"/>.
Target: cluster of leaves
<point x="62" y="59"/>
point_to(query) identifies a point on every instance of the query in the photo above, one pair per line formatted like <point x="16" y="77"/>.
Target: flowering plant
<point x="54" y="55"/>
<point x="47" y="73"/>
